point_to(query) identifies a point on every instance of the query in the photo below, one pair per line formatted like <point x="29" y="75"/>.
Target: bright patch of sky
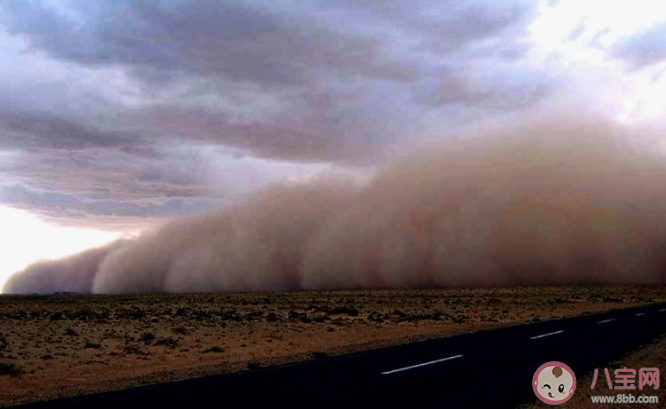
<point x="25" y="239"/>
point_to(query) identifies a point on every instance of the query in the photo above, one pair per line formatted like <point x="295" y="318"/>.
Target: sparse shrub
<point x="16" y="315"/>
<point x="132" y="349"/>
<point x="3" y="343"/>
<point x="136" y="314"/>
<point x="92" y="345"/>
<point x="376" y="317"/>
<point x="459" y="319"/>
<point x="613" y="299"/>
<point x="71" y="332"/>
<point x="339" y="322"/>
<point x="167" y="342"/>
<point x="89" y="314"/>
<point x="271" y="317"/>
<point x="319" y="355"/>
<point x="47" y="357"/>
<point x="435" y="315"/>
<point x="214" y="349"/>
<point x="253" y="315"/>
<point x="180" y="330"/>
<point x="201" y="315"/>
<point x="535" y="319"/>
<point x="147" y="337"/>
<point x="131" y="313"/>
<point x="253" y="365"/>
<point x="9" y="368"/>
<point x="320" y="319"/>
<point x="56" y="316"/>
<point x="229" y="315"/>
<point x="351" y="311"/>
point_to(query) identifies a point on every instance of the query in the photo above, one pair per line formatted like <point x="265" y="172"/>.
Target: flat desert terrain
<point x="54" y="346"/>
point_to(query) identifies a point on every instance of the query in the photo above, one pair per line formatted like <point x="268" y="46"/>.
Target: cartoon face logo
<point x="554" y="383"/>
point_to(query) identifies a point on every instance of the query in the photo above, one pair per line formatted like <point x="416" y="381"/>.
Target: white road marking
<point x="639" y="314"/>
<point x="423" y="364"/>
<point x="547" y="335"/>
<point x="662" y="310"/>
<point x="609" y="320"/>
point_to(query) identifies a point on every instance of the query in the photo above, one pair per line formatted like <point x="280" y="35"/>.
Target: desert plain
<point x="67" y="345"/>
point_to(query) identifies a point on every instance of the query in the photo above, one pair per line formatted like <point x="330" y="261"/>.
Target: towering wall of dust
<point x="258" y="245"/>
<point x="545" y="204"/>
<point x="69" y="274"/>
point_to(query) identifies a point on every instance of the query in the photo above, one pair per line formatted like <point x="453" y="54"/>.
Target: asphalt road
<point x="481" y="369"/>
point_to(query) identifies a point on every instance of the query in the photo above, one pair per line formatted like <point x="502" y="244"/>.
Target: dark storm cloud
<point x="203" y="38"/>
<point x="326" y="130"/>
<point x="264" y="44"/>
<point x="304" y="82"/>
<point x="130" y="176"/>
<point x="25" y="130"/>
<point x="444" y="25"/>
<point x="492" y="90"/>
<point x="22" y="197"/>
<point x="644" y="49"/>
<point x="129" y="182"/>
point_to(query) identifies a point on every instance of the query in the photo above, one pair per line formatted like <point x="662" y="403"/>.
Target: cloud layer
<point x="121" y="120"/>
<point x="550" y="202"/>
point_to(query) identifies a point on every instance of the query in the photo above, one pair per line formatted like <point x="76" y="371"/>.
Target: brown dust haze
<point x="544" y="203"/>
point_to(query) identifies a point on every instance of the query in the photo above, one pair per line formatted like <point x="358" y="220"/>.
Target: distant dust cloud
<point x="545" y="203"/>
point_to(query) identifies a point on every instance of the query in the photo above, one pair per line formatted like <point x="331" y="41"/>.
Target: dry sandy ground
<point x="63" y="346"/>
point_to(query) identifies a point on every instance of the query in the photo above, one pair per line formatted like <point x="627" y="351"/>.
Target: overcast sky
<point x="116" y="114"/>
